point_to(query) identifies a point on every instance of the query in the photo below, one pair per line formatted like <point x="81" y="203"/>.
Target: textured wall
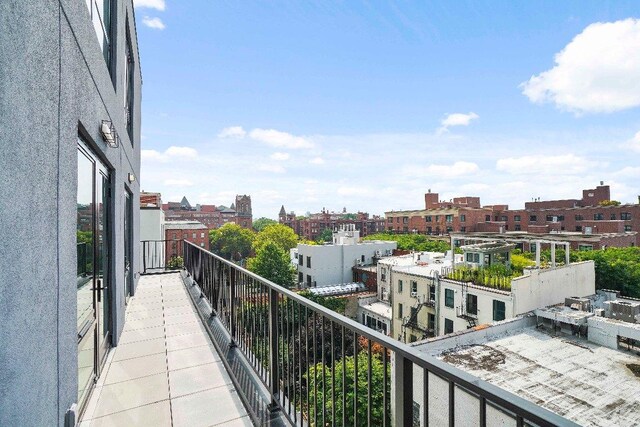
<point x="53" y="82"/>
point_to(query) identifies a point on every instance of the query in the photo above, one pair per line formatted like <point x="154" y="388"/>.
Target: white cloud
<point x="629" y="172"/>
<point x="596" y="72"/>
<point x="277" y="138"/>
<point x="456" y="169"/>
<point x="151" y="4"/>
<point x="272" y="168"/>
<point x="634" y="143"/>
<point x="456" y="119"/>
<point x="280" y="156"/>
<point x="177" y="183"/>
<point x="317" y="161"/>
<point x="354" y="191"/>
<point x="155" y="23"/>
<point x="566" y="164"/>
<point x="170" y="153"/>
<point x="232" y="132"/>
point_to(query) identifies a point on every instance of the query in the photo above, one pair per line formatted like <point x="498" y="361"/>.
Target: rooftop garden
<point x="497" y="276"/>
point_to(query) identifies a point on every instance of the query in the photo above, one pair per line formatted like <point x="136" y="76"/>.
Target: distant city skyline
<point x="367" y="106"/>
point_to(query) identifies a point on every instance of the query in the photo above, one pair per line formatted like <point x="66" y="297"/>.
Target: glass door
<point x="93" y="294"/>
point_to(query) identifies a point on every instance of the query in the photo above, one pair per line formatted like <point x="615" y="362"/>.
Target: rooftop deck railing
<point x="321" y="368"/>
<point x="158" y="256"/>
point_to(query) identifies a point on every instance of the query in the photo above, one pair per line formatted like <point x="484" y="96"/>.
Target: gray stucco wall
<point x="54" y="81"/>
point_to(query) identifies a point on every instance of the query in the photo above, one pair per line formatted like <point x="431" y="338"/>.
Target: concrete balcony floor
<point x="165" y="371"/>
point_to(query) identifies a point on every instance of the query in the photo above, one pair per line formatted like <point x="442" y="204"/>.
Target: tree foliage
<point x="272" y="263"/>
<point x="280" y="234"/>
<point x="616" y="268"/>
<point x="412" y="242"/>
<point x="260" y="223"/>
<point x="325" y="236"/>
<point x="321" y="380"/>
<point x="231" y="241"/>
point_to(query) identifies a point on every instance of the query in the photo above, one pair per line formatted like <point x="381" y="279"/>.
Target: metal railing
<point x="158" y="256"/>
<point x="321" y="368"/>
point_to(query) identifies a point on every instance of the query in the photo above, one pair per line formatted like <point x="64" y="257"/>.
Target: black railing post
<point x="274" y="375"/>
<point x="403" y="392"/>
<point x="233" y="308"/>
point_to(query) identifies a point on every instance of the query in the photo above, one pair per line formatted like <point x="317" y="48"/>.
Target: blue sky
<point x="366" y="105"/>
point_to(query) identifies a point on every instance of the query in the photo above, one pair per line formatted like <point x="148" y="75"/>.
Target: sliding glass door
<point x="93" y="249"/>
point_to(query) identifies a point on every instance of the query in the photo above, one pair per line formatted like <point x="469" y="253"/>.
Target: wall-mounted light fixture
<point x="109" y="134"/>
<point x="131" y="178"/>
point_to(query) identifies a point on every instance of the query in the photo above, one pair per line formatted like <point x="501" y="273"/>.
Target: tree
<point x="260" y="223"/>
<point x="412" y="242"/>
<point x="231" y="241"/>
<point x="272" y="263"/>
<point x="280" y="234"/>
<point x="321" y="380"/>
<point x="325" y="236"/>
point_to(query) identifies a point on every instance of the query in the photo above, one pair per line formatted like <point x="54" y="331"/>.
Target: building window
<point x="399" y="286"/>
<point x="202" y="245"/>
<point x="498" y="310"/>
<point x="463" y="229"/>
<point x="625" y="216"/>
<point x="448" y="326"/>
<point x="301" y="279"/>
<point x="463" y="218"/>
<point x="429" y="230"/>
<point x="487" y="218"/>
<point x="448" y="218"/>
<point x="399" y="311"/>
<point x="533" y="218"/>
<point x="627" y="228"/>
<point x="383" y="275"/>
<point x="579" y="218"/>
<point x="448" y="298"/>
<point x="472" y="304"/>
<point x="518" y="227"/>
<point x="174" y="236"/>
<point x="578" y="228"/>
<point x="469" y="257"/>
<point x="427" y="218"/>
<point x="390" y="219"/>
<point x="300" y="260"/>
<point x="516" y="218"/>
<point x="598" y="217"/>
<point x="202" y="235"/>
<point x="612" y="217"/>
<point x="585" y="247"/>
<point x="100" y="12"/>
<point x="308" y="262"/>
<point x="432" y="293"/>
<point x="414" y="288"/>
<point x="504" y="218"/>
<point x="129" y="67"/>
<point x="405" y="220"/>
<point x="308" y="280"/>
<point x="186" y="235"/>
<point x="193" y="235"/>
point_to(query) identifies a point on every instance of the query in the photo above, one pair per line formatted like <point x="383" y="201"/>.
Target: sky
<point x="367" y="105"/>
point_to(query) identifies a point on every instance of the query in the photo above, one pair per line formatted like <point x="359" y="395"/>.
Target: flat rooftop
<point x="579" y="380"/>
<point x="380" y="308"/>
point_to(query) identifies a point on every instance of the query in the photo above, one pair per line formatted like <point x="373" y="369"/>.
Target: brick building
<point x="590" y="215"/>
<point x="176" y="231"/>
<point x="210" y="215"/>
<point x="310" y="227"/>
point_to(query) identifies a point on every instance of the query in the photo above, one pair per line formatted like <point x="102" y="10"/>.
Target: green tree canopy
<point x="280" y="234"/>
<point x="231" y="241"/>
<point x="273" y="263"/>
<point x="260" y="223"/>
<point x="325" y="236"/>
<point x="412" y="242"/>
<point x="321" y="379"/>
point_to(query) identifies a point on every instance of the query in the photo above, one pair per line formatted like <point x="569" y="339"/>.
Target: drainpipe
<point x="436" y="323"/>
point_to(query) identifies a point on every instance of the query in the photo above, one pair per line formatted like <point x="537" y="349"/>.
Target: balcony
<point x="217" y="344"/>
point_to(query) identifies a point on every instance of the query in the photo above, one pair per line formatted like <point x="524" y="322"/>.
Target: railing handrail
<point x="495" y="394"/>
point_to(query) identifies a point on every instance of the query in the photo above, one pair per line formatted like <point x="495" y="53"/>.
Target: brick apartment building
<point x="310" y="227"/>
<point x="592" y="215"/>
<point x="210" y="215"/>
<point x="176" y="231"/>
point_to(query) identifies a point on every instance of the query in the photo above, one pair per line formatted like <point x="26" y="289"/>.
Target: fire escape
<point x="465" y="311"/>
<point x="411" y="321"/>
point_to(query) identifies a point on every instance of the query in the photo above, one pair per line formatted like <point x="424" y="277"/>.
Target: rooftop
<point x="181" y="225"/>
<point x="379" y="308"/>
<point x="587" y="383"/>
